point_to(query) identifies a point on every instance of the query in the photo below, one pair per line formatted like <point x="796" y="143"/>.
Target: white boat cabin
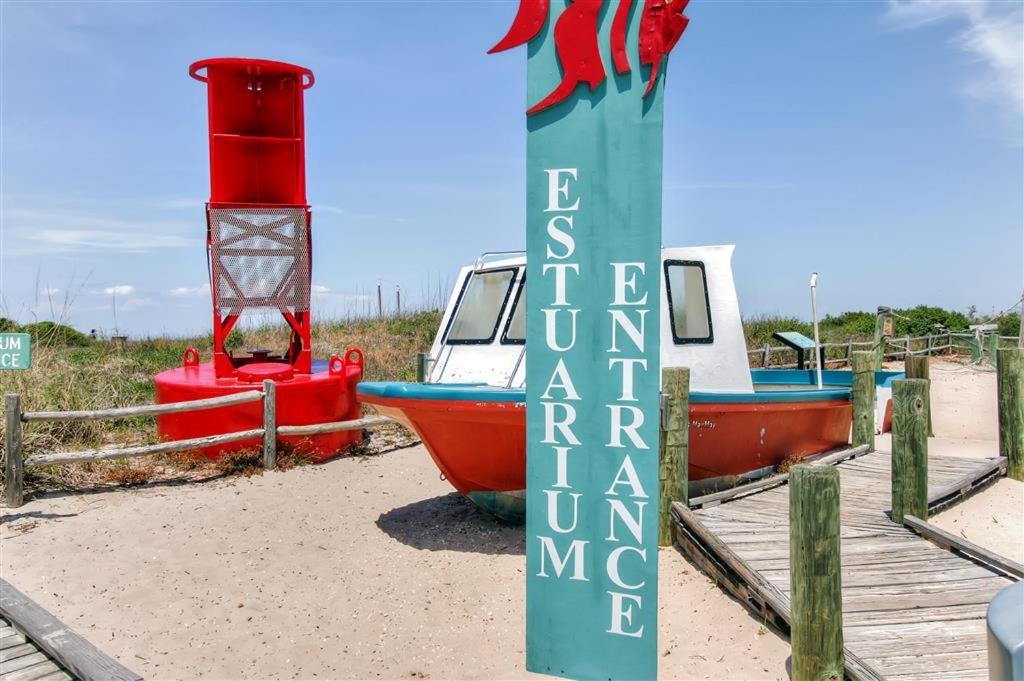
<point x="482" y="334"/>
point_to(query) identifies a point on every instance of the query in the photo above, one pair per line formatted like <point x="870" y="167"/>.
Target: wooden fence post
<point x="269" y="425"/>
<point x="421" y="367"/>
<point x="764" y="357"/>
<point x="909" y="449"/>
<point x="14" y="468"/>
<point x="674" y="450"/>
<point x="863" y="365"/>
<point x="1010" y="368"/>
<point x="816" y="624"/>
<point x="916" y="366"/>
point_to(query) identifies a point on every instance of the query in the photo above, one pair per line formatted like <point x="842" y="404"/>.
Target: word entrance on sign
<point x="625" y="497"/>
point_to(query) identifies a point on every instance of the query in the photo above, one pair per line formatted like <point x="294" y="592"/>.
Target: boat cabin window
<point x="688" y="304"/>
<point x="479" y="308"/>
<point x="515" y="328"/>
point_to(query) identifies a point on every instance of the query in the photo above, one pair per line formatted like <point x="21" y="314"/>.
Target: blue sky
<point x="879" y="143"/>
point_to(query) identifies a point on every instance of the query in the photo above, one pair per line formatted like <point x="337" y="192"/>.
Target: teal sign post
<point x="594" y="176"/>
<point x="15" y="351"/>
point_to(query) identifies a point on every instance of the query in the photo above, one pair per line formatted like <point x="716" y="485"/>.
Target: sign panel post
<point x="594" y="177"/>
<point x="15" y="351"/>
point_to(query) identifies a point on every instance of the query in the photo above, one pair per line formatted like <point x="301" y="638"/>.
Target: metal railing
<point x="15" y="418"/>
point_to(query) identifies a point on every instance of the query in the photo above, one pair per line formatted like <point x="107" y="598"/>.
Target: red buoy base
<point x="324" y="396"/>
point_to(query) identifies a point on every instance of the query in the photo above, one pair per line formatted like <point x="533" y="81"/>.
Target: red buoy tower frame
<point x="258" y="221"/>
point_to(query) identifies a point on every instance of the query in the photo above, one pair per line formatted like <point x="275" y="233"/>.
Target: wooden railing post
<point x="816" y="594"/>
<point x="863" y="365"/>
<point x="674" y="451"/>
<point x="909" y="449"/>
<point x="421" y="367"/>
<point x="916" y="366"/>
<point x="269" y="425"/>
<point x="14" y="467"/>
<point x="1010" y="369"/>
<point x="764" y="357"/>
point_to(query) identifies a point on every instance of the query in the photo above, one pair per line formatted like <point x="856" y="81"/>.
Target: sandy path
<point x="360" y="568"/>
<point x="372" y="568"/>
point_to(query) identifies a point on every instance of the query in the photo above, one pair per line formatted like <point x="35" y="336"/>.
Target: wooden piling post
<point x="674" y="450"/>
<point x="1010" y="368"/>
<point x="421" y="367"/>
<point x="816" y="594"/>
<point x="863" y="364"/>
<point x="14" y="466"/>
<point x="269" y="425"/>
<point x="916" y="366"/>
<point x="909" y="449"/>
<point x="993" y="347"/>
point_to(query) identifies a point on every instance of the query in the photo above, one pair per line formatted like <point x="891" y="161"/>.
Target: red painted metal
<point x="726" y="439"/>
<point x="661" y="25"/>
<point x="304" y="399"/>
<point x="578" y="52"/>
<point x="618" y="37"/>
<point x="529" y="20"/>
<point x="257" y="162"/>
<point x="259" y="248"/>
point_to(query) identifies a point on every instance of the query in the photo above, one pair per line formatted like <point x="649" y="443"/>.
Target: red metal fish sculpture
<point x="619" y="24"/>
<point x="525" y="27"/>
<point x="578" y="52"/>
<point x="576" y="34"/>
<point x="661" y="25"/>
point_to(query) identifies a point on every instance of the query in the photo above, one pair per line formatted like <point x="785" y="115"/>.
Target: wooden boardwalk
<point x="911" y="608"/>
<point x="36" y="646"/>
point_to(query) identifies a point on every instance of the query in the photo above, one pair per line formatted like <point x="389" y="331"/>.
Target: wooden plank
<point x="337" y="426"/>
<point x="774" y="481"/>
<point x="145" y="410"/>
<point x="38" y="671"/>
<point x="23" y="661"/>
<point x="946" y="540"/>
<point x="11" y="640"/>
<point x="147" y="450"/>
<point x="17" y="651"/>
<point x="74" y="653"/>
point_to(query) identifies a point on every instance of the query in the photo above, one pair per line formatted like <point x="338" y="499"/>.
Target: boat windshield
<point x="688" y="301"/>
<point x="479" y="310"/>
<point x="515" y="332"/>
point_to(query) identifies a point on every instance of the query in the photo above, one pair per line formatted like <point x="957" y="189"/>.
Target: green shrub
<point x="56" y="335"/>
<point x="921" y="320"/>
<point x="8" y="325"/>
<point x="1009" y="324"/>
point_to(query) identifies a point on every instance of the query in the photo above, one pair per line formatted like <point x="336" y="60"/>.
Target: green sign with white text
<point x="15" y="351"/>
<point x="594" y="182"/>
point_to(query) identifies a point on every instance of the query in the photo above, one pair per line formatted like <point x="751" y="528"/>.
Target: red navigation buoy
<point x="259" y="251"/>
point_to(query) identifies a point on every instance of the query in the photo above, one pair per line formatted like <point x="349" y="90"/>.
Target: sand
<point x="372" y="568"/>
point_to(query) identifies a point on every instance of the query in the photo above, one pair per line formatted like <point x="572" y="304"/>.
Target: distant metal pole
<point x="398" y="300"/>
<point x="814" y="317"/>
<point x="380" y="302"/>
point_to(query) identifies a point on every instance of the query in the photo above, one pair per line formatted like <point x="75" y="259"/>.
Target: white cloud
<point x="136" y="304"/>
<point x="181" y="291"/>
<point x="120" y="290"/>
<point x="98" y="240"/>
<point x="992" y="33"/>
<point x="320" y="289"/>
<point x="49" y="291"/>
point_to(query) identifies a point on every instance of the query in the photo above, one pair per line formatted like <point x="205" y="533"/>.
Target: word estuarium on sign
<point x="661" y="25"/>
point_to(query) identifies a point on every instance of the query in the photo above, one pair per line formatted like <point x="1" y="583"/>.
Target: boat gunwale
<point x="839" y="389"/>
